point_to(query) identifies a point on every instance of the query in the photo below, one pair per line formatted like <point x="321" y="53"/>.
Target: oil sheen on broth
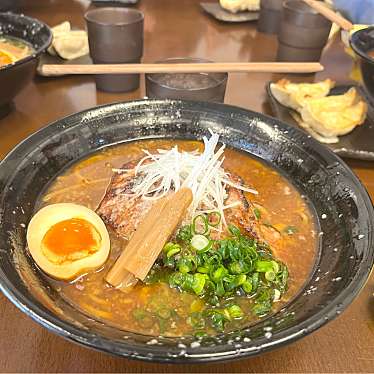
<point x="157" y="309"/>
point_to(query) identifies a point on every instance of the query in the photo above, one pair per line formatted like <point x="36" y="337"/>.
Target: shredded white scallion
<point x="170" y="170"/>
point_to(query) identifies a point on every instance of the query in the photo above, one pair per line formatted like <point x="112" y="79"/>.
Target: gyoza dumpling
<point x="72" y="45"/>
<point x="235" y="6"/>
<point x="335" y="115"/>
<point x="58" y="30"/>
<point x="294" y="95"/>
<point x="68" y="44"/>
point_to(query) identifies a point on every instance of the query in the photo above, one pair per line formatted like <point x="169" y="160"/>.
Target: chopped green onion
<point x="264" y="266"/>
<point x="185" y="265"/>
<point x="261" y="309"/>
<point x="275" y="266"/>
<point x="176" y="279"/>
<point x="218" y="320"/>
<point x="270" y="275"/>
<point x="188" y="282"/>
<point x="257" y="213"/>
<point x="220" y="290"/>
<point x="200" y="242"/>
<point x="235" y="311"/>
<point x="196" y="320"/>
<point x="255" y="281"/>
<point x="184" y="234"/>
<point x="172" y="249"/>
<point x="173" y="252"/>
<point x="234" y="230"/>
<point x="240" y="279"/>
<point x="235" y="267"/>
<point x="169" y="262"/>
<point x="198" y="283"/>
<point x="200" y="334"/>
<point x="247" y="286"/>
<point x="168" y="246"/>
<point x="203" y="269"/>
<point x="226" y="313"/>
<point x="236" y="281"/>
<point x="219" y="273"/>
<point x="200" y="225"/>
<point x="239" y="267"/>
<point x="214" y="219"/>
<point x="213" y="300"/>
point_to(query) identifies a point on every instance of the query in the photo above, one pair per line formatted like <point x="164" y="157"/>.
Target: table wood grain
<point x="176" y="28"/>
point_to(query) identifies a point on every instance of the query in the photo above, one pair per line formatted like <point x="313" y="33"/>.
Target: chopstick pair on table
<point x="230" y="67"/>
<point x="330" y="14"/>
<point x="218" y="67"/>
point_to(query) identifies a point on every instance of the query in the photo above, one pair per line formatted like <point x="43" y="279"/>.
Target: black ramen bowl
<point x="342" y="207"/>
<point x="362" y="42"/>
<point x="14" y="77"/>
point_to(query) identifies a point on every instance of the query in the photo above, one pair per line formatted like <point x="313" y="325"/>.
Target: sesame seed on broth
<point x="284" y="216"/>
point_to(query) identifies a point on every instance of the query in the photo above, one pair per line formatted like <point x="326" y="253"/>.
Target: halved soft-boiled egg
<point x="67" y="240"/>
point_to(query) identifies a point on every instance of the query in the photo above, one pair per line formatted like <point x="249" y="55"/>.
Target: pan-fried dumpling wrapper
<point x="235" y="6"/>
<point x="335" y="115"/>
<point x="68" y="44"/>
<point x="58" y="30"/>
<point x="294" y="95"/>
<point x="323" y="139"/>
<point x="72" y="45"/>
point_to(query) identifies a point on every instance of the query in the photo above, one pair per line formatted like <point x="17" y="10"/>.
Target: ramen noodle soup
<point x="13" y="49"/>
<point x="202" y="239"/>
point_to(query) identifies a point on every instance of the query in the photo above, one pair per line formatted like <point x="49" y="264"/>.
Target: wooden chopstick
<point x="330" y="14"/>
<point x="233" y="67"/>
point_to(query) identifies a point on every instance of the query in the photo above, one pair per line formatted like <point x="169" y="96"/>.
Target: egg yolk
<point x="5" y="58"/>
<point x="70" y="239"/>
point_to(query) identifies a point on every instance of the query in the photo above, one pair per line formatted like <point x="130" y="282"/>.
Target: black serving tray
<point x="358" y="144"/>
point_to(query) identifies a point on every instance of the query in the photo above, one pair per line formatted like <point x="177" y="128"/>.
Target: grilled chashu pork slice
<point x="123" y="210"/>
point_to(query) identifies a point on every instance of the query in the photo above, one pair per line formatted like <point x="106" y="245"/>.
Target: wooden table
<point x="176" y="28"/>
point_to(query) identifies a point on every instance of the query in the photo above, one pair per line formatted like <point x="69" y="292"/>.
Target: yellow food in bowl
<point x="67" y="240"/>
<point x="6" y="58"/>
<point x="335" y="115"/>
<point x="12" y="50"/>
<point x="294" y="95"/>
<point x="324" y="117"/>
<point x="235" y="6"/>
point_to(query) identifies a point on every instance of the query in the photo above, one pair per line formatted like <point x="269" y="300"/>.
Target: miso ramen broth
<point x="156" y="308"/>
<point x="13" y="49"/>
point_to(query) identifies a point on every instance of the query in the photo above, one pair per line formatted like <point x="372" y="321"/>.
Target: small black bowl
<point x="362" y="42"/>
<point x="344" y="209"/>
<point x="190" y="86"/>
<point x="14" y="77"/>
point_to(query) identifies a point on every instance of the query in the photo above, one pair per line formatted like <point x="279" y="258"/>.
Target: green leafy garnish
<point x="235" y="265"/>
<point x="200" y="242"/>
<point x="184" y="234"/>
<point x="257" y="213"/>
<point x="200" y="225"/>
<point x="214" y="219"/>
<point x="235" y="311"/>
